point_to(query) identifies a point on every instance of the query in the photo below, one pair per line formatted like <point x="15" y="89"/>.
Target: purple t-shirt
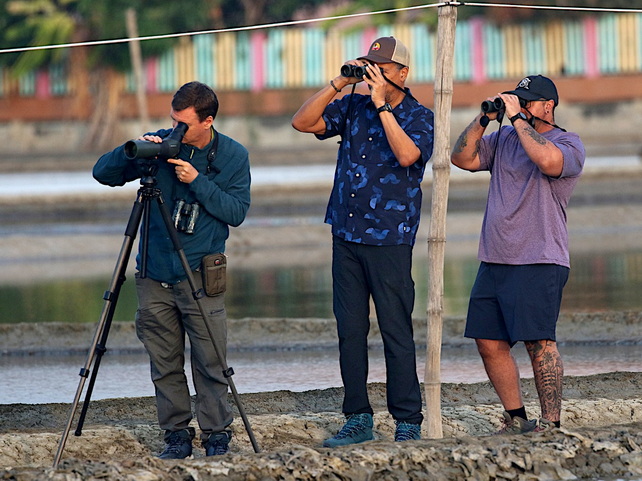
<point x="525" y="219"/>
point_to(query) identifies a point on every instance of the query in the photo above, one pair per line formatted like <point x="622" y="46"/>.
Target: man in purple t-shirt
<point x="523" y="248"/>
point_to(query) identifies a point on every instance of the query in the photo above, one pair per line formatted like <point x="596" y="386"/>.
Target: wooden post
<point x="137" y="68"/>
<point x="443" y="91"/>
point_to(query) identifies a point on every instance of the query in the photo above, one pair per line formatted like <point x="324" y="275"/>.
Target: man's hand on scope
<point x="151" y="138"/>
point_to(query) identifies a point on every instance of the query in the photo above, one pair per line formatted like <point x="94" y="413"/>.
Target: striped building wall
<point x="285" y="58"/>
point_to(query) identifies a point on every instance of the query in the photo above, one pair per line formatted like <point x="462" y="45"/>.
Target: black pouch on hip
<point x="213" y="271"/>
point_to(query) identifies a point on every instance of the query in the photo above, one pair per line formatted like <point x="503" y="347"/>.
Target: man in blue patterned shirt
<point x="374" y="208"/>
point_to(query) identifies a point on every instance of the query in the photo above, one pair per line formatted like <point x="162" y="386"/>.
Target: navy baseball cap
<point x="536" y="87"/>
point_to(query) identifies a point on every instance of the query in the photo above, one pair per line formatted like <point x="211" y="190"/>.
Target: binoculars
<point x="489" y="106"/>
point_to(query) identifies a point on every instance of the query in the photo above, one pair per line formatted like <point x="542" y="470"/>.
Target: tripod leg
<point x="101" y="348"/>
<point x="198" y="294"/>
<point x="102" y="329"/>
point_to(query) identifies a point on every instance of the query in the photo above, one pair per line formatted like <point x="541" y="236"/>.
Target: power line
<point x="550" y="7"/>
<point x="222" y="30"/>
<point x="314" y="20"/>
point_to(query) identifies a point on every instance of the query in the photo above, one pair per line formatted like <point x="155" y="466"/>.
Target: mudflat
<point x="601" y="432"/>
<point x="601" y="436"/>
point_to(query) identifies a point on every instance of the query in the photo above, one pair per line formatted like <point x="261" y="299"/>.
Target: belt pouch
<point x="214" y="275"/>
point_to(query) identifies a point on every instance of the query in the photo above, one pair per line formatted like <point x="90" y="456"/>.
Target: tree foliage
<point x="51" y="22"/>
<point x="505" y="14"/>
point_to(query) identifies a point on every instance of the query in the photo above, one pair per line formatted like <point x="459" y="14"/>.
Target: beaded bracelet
<point x="334" y="86"/>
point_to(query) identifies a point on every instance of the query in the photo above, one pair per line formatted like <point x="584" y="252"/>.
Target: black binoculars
<point x="489" y="106"/>
<point x="357" y="71"/>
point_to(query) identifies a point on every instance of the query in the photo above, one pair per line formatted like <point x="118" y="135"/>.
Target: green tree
<point x="32" y="23"/>
<point x="501" y="14"/>
<point x="51" y="22"/>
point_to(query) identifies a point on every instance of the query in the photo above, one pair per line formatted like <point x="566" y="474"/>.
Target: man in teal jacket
<point x="207" y="187"/>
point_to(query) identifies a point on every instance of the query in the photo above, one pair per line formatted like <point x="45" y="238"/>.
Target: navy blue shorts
<point x="516" y="303"/>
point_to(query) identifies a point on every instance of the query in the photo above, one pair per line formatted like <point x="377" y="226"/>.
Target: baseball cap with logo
<point x="386" y="50"/>
<point x="535" y="87"/>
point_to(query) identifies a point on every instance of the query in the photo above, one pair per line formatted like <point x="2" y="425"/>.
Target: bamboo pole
<point x="443" y="90"/>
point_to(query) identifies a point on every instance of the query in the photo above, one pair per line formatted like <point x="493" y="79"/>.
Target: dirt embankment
<point x="601" y="436"/>
<point x="300" y="333"/>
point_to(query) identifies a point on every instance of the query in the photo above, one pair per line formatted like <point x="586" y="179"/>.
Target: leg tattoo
<point x="548" y="371"/>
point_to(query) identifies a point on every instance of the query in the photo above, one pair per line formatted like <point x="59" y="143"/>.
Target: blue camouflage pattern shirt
<point x="375" y="200"/>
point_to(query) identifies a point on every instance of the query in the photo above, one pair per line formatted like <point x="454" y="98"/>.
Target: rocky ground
<point x="601" y="438"/>
<point x="601" y="435"/>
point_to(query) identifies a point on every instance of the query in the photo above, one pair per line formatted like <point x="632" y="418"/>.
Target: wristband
<point x="334" y="86"/>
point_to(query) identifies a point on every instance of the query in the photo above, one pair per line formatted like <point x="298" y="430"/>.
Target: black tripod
<point x="141" y="210"/>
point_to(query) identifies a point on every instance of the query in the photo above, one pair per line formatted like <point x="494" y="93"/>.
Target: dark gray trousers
<point x="164" y="315"/>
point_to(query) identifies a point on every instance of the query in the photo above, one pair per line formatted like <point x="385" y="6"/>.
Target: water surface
<point x="47" y="379"/>
<point x="599" y="281"/>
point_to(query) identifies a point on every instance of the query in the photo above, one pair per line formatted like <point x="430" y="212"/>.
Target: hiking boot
<point x="218" y="443"/>
<point x="407" y="431"/>
<point x="178" y="445"/>
<point x="357" y="429"/>
<point x="544" y="425"/>
<point x="516" y="425"/>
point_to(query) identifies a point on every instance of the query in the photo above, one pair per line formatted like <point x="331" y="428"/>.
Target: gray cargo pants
<point x="165" y="314"/>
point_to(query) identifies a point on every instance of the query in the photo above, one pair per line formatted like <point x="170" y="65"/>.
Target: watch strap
<point x="519" y="115"/>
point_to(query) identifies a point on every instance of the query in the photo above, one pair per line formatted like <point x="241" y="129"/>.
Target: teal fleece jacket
<point x="223" y="195"/>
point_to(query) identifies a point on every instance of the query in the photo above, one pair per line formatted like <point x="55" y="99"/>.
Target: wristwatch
<point x="520" y="115"/>
<point x="385" y="108"/>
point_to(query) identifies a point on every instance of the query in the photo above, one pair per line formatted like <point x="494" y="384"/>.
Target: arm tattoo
<point x="462" y="141"/>
<point x="536" y="136"/>
<point x="476" y="151"/>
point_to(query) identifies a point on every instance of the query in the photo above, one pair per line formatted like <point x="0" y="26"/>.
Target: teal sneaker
<point x="357" y="429"/>
<point x="407" y="431"/>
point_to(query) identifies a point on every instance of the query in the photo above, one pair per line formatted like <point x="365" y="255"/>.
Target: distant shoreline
<point x="613" y="327"/>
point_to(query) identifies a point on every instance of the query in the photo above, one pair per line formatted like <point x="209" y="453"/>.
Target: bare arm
<point x="465" y="154"/>
<point x="405" y="150"/>
<point x="546" y="155"/>
<point x="309" y="117"/>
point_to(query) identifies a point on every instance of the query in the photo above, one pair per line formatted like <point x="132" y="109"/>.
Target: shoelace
<point x="405" y="432"/>
<point x="507" y="426"/>
<point x="219" y="447"/>
<point x="353" y="426"/>
<point x="513" y="426"/>
<point x="174" y="445"/>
